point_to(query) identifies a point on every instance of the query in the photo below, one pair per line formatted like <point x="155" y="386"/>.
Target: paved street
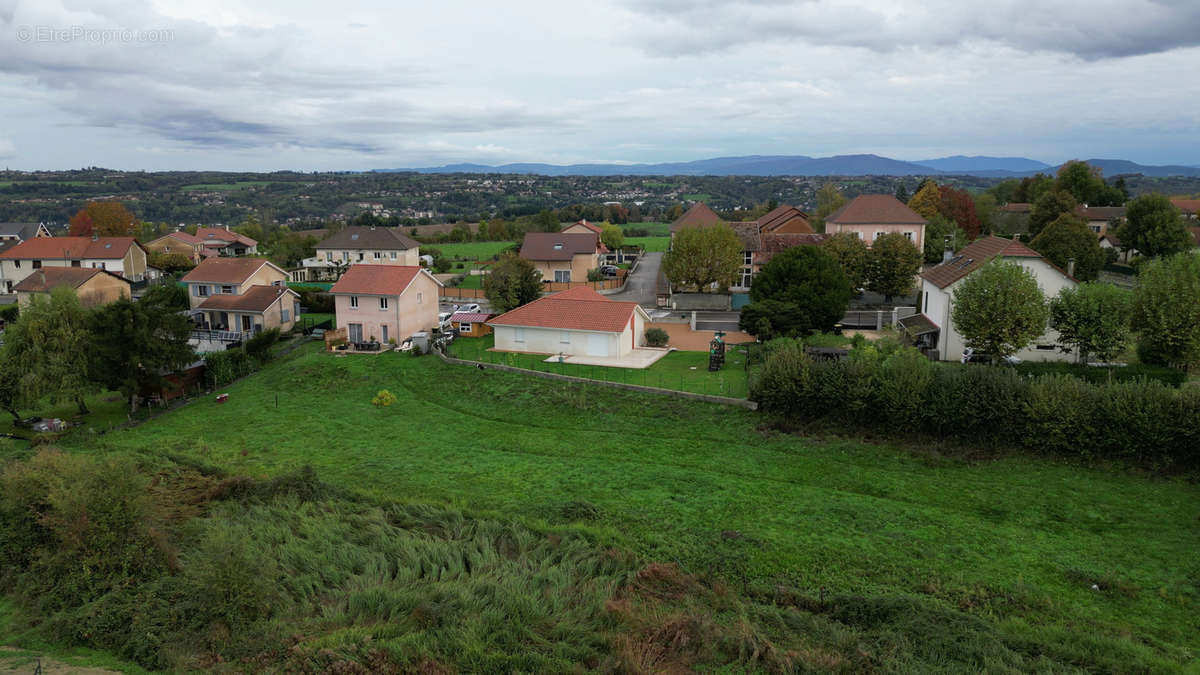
<point x="642" y="284"/>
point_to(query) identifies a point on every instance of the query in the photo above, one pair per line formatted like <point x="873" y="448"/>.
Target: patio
<point x="643" y="357"/>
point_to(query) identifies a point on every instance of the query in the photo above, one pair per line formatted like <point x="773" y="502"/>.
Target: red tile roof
<point x="223" y="234"/>
<point x="875" y="210"/>
<point x="577" y="309"/>
<point x="71" y="248"/>
<point x="975" y="255"/>
<point x="470" y="317"/>
<point x="774" y="244"/>
<point x="257" y="299"/>
<point x="559" y="246"/>
<point x="225" y="270"/>
<point x="180" y="236"/>
<point x="782" y="215"/>
<point x="47" y="278"/>
<point x="591" y="226"/>
<point x="1104" y="213"/>
<point x="697" y="216"/>
<point x="1188" y="206"/>
<point x="376" y="279"/>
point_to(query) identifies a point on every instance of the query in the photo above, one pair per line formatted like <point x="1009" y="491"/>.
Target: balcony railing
<point x="219" y="335"/>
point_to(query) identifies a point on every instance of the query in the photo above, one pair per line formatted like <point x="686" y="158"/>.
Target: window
<point x="464" y="327"/>
<point x="75" y="263"/>
<point x="564" y="336"/>
<point x="393" y="255"/>
<point x="926" y="310"/>
<point x="17" y="264"/>
<point x="518" y="335"/>
<point x="227" y="290"/>
<point x="747" y="276"/>
<point x="202" y="290"/>
<point x="329" y="256"/>
<point x="37" y="264"/>
<point x="345" y="256"/>
<point x="860" y="235"/>
<point x="383" y="303"/>
<point x="562" y="276"/>
<point x="284" y="315"/>
<point x="418" y="298"/>
<point x="360" y="256"/>
<point x="878" y="234"/>
<point x="379" y="255"/>
<point x="354" y="301"/>
<point x="748" y="258"/>
<point x="908" y="236"/>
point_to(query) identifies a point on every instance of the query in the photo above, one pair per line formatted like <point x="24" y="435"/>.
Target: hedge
<point x="902" y="393"/>
<point x="1099" y="375"/>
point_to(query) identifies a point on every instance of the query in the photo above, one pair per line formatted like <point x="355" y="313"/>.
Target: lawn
<point x="681" y="371"/>
<point x="471" y="281"/>
<point x="1006" y="564"/>
<point x="476" y="250"/>
<point x="651" y="244"/>
<point x="655" y="229"/>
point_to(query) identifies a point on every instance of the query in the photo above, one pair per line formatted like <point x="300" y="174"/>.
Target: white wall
<point x="951" y="344"/>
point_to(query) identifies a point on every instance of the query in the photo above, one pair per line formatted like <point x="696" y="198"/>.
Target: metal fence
<point x="876" y="319"/>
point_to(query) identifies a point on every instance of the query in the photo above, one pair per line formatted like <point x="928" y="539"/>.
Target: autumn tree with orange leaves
<point x="103" y="219"/>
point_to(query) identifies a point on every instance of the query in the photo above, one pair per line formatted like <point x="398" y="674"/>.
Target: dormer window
<point x="558" y="247"/>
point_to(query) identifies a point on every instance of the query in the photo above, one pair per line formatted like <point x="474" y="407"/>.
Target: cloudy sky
<point x="358" y="84"/>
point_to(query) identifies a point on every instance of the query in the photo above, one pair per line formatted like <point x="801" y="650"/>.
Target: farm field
<point x="651" y="244"/>
<point x="908" y="561"/>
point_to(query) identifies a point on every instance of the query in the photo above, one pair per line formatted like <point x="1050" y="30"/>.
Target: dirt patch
<point x="683" y="338"/>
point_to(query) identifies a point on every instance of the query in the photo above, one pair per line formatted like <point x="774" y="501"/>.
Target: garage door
<point x="597" y="345"/>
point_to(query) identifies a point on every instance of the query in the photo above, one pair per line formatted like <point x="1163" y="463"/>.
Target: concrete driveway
<point x="642" y="285"/>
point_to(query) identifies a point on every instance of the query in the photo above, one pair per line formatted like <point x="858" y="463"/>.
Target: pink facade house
<point x="872" y="216"/>
<point x="385" y="302"/>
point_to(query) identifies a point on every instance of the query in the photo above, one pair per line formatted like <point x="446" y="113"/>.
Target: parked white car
<point x="971" y="356"/>
<point x="469" y="307"/>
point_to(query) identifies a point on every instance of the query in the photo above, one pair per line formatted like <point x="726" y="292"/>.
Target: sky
<point x="262" y="85"/>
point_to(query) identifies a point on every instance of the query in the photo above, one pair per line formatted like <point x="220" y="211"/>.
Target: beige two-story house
<point x="122" y="256"/>
<point x="241" y="296"/>
<point x="872" y="216"/>
<point x="563" y="257"/>
<point x="384" y="303"/>
<point x="358" y="245"/>
<point x="180" y="243"/>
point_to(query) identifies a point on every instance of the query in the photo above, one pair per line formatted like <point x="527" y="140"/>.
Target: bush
<point x="315" y="299"/>
<point x="259" y="346"/>
<point x="1101" y="375"/>
<point x="9" y="312"/>
<point x="227" y="366"/>
<point x="383" y="399"/>
<point x="657" y="337"/>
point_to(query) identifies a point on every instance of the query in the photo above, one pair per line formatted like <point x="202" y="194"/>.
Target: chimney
<point x="1071" y="267"/>
<point x="226" y="228"/>
<point x="948" y="252"/>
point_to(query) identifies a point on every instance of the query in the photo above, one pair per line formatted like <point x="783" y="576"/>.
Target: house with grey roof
<point x="358" y="245"/>
<point x="19" y="232"/>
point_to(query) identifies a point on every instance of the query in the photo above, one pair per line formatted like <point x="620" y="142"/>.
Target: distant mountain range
<point x="803" y="165"/>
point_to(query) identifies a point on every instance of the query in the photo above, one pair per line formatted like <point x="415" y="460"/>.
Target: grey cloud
<point x="1095" y="29"/>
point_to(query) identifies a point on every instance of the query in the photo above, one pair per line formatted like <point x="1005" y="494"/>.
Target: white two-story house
<point x="933" y="327"/>
<point x="122" y="256"/>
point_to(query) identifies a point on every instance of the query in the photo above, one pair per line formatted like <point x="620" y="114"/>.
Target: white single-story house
<point x="578" y="322"/>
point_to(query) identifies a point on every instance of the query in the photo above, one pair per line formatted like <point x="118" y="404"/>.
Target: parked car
<point x="608" y="270"/>
<point x="469" y="307"/>
<point x="969" y="355"/>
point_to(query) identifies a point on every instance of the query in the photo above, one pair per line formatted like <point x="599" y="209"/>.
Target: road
<point x="642" y="285"/>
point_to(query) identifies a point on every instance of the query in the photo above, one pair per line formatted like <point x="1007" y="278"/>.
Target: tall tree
<point x="1154" y="227"/>
<point x="985" y="210"/>
<point x="893" y="265"/>
<point x="81" y="224"/>
<point x="936" y="232"/>
<point x="1032" y="188"/>
<point x="1086" y="184"/>
<point x="1048" y="208"/>
<point x="612" y="236"/>
<point x="48" y="344"/>
<point x="512" y="282"/>
<point x="829" y="199"/>
<point x="703" y="256"/>
<point x="852" y="254"/>
<point x="1092" y="319"/>
<point x="958" y="206"/>
<point x="1069" y="238"/>
<point x="107" y="219"/>
<point x="927" y="202"/>
<point x="1166" y="310"/>
<point x="901" y="193"/>
<point x="135" y="345"/>
<point x="799" y="291"/>
<point x="999" y="309"/>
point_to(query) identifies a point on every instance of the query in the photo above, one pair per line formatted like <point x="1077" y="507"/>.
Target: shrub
<point x="1060" y="415"/>
<point x="227" y="366"/>
<point x="1102" y="375"/>
<point x="9" y="312"/>
<point x="657" y="337"/>
<point x="259" y="346"/>
<point x="903" y="383"/>
<point x="783" y="385"/>
<point x="383" y="399"/>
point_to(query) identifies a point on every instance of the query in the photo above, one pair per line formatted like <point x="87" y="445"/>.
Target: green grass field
<point x="655" y="229"/>
<point x="224" y="187"/>
<point x="681" y="371"/>
<point x="698" y="197"/>
<point x="471" y="281"/>
<point x="1010" y="546"/>
<point x="651" y="244"/>
<point x="476" y="250"/>
<point x="838" y="554"/>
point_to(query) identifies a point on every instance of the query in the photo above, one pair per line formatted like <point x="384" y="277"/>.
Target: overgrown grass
<point x="819" y="554"/>
<point x="917" y="547"/>
<point x="680" y="371"/>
